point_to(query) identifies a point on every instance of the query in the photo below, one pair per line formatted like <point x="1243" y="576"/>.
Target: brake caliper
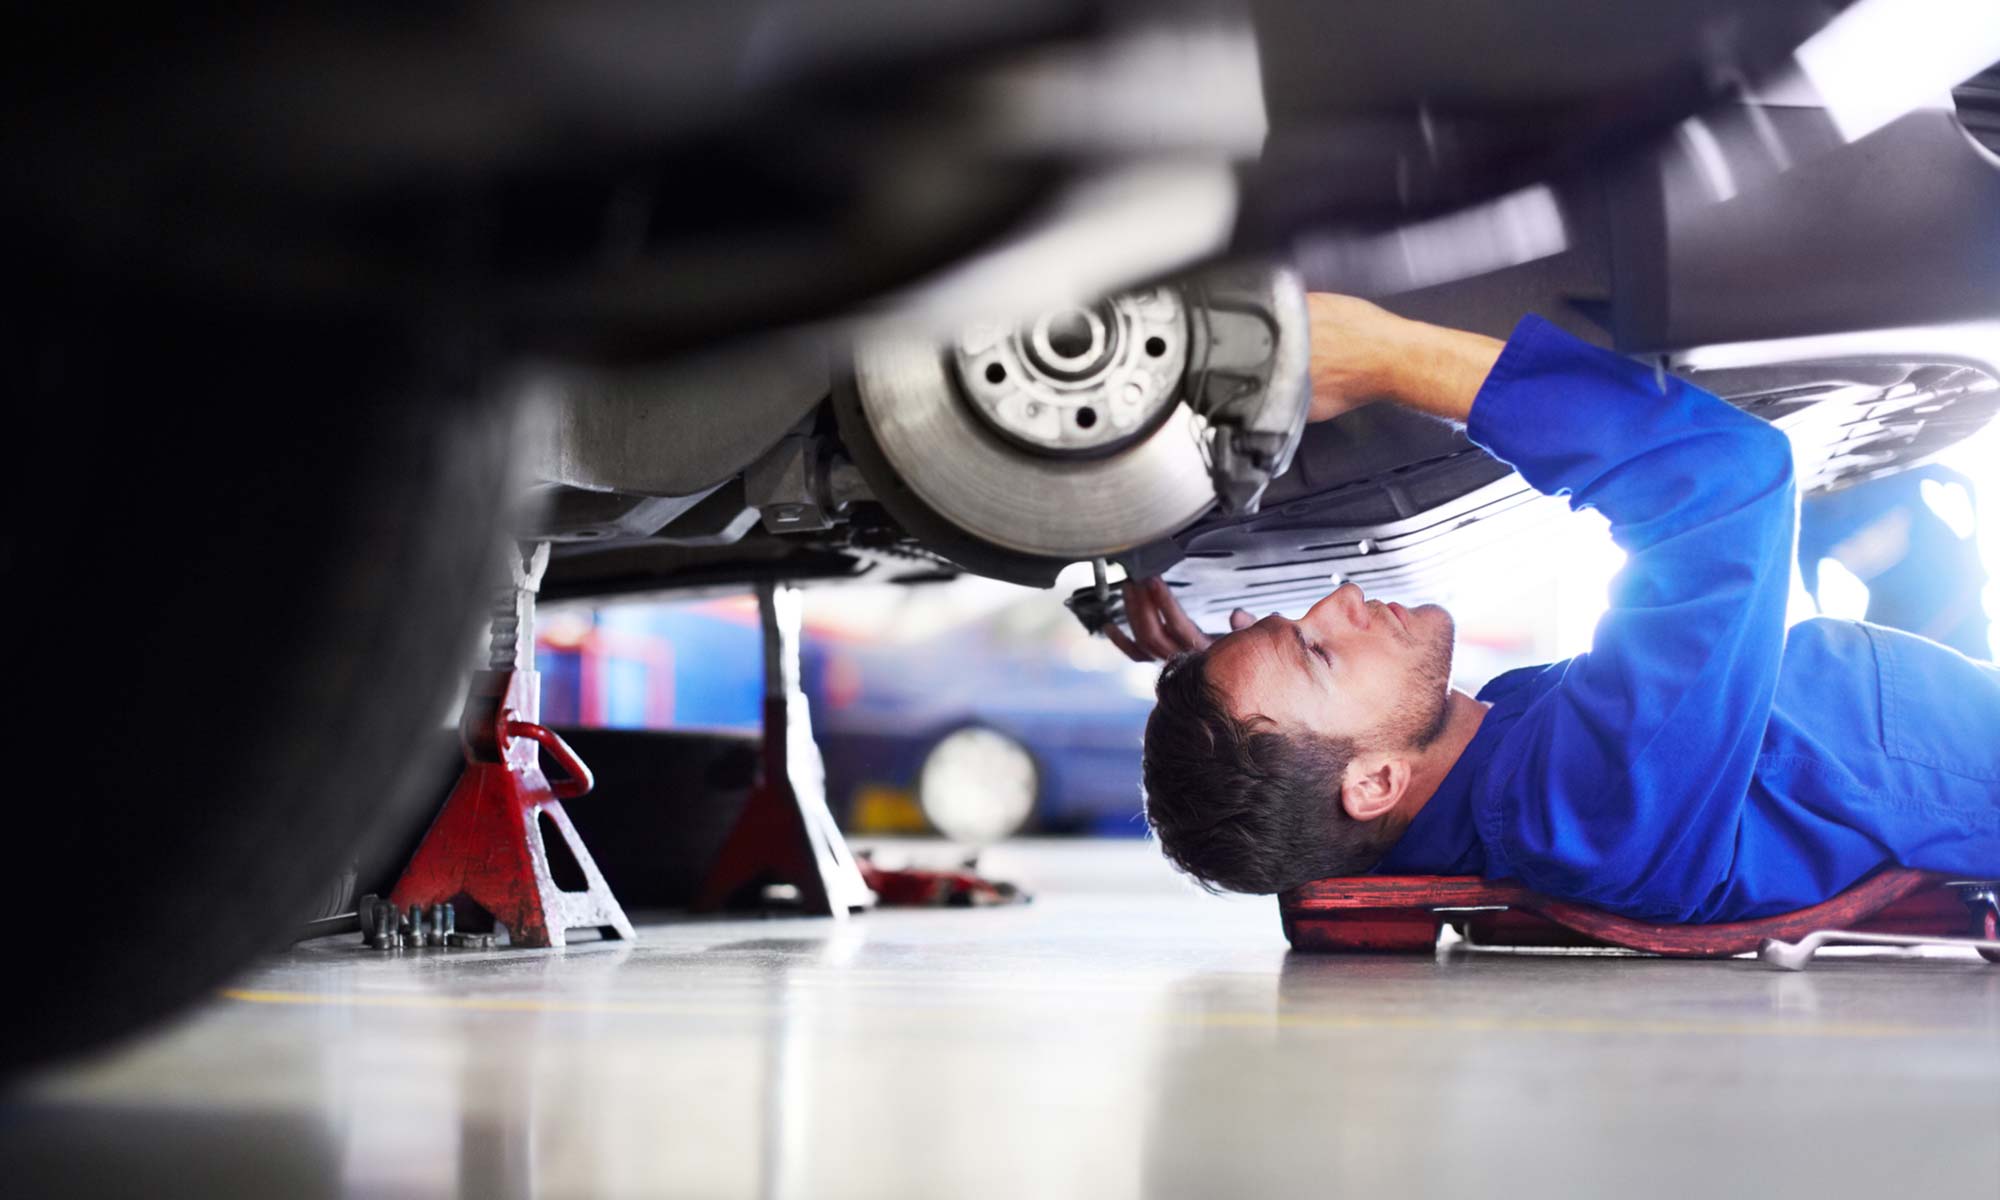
<point x="1248" y="376"/>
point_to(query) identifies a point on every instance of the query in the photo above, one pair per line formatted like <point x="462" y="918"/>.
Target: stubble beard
<point x="1422" y="718"/>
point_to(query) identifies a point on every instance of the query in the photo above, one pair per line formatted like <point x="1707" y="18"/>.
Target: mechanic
<point x="1700" y="763"/>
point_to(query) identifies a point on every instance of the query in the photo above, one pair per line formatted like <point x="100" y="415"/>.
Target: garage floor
<point x="1122" y="1036"/>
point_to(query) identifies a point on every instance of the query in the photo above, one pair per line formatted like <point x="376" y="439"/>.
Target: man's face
<point x="1351" y="667"/>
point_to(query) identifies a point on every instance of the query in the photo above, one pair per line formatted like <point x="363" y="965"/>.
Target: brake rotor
<point x="1064" y="439"/>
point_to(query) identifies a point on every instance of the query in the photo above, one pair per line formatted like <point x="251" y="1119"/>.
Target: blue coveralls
<point x="1699" y="763"/>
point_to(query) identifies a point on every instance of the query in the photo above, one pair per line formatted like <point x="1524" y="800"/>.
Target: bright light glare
<point x="1841" y="592"/>
<point x="1949" y="503"/>
<point x="1586" y="561"/>
<point x="901" y="614"/>
<point x="1978" y="459"/>
<point x="977" y="786"/>
<point x="1881" y="58"/>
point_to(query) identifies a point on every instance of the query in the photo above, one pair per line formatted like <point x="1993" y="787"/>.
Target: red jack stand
<point x="786" y="834"/>
<point x="486" y="844"/>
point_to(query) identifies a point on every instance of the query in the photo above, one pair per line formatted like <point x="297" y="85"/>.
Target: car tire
<point x="247" y="557"/>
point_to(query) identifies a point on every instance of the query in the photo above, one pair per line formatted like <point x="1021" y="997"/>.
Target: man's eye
<point x="1323" y="656"/>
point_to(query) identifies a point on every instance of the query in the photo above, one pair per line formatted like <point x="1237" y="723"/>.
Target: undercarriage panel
<point x="1406" y="531"/>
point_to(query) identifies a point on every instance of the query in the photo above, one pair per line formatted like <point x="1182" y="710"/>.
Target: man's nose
<point x="1346" y="604"/>
<point x="1353" y="603"/>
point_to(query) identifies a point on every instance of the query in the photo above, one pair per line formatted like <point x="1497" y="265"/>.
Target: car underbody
<point x="896" y="459"/>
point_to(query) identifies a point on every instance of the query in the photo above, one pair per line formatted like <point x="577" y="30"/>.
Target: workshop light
<point x="1842" y="593"/>
<point x="1586" y="561"/>
<point x="977" y="786"/>
<point x="1882" y="58"/>
<point x="1978" y="459"/>
<point x="1952" y="504"/>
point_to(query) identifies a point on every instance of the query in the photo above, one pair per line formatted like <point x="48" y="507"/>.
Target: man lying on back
<point x="1700" y="763"/>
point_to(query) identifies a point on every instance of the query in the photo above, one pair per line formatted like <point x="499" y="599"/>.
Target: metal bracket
<point x="1248" y="375"/>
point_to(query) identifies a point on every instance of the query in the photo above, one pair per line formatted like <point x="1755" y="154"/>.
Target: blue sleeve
<point x="1623" y="785"/>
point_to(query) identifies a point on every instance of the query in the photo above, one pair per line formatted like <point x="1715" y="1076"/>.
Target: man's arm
<point x="1362" y="353"/>
<point x="1623" y="785"/>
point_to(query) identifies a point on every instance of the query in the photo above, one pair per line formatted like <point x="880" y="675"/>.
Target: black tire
<point x="247" y="554"/>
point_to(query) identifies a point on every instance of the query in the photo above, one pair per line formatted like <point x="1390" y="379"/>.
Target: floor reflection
<point x="1102" y="1045"/>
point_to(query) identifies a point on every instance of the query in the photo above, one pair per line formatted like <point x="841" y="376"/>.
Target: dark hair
<point x="1241" y="806"/>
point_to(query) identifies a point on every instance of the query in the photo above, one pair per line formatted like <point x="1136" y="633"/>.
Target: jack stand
<point x="486" y="844"/>
<point x="786" y="834"/>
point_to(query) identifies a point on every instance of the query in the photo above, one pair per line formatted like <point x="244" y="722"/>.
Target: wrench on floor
<point x="1793" y="956"/>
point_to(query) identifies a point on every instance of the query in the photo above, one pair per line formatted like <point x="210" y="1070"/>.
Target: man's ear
<point x="1374" y="785"/>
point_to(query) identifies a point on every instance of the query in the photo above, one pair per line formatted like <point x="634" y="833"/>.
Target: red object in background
<point x="487" y="844"/>
<point x="841" y="685"/>
<point x="1986" y="925"/>
<point x="913" y="887"/>
<point x="1405" y="913"/>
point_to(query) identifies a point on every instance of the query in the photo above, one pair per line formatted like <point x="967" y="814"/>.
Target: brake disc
<point x="1094" y="429"/>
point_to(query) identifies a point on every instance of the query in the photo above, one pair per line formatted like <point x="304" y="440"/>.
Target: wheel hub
<point x="1080" y="380"/>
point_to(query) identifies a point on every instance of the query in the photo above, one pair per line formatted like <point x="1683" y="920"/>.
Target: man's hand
<point x="1161" y="628"/>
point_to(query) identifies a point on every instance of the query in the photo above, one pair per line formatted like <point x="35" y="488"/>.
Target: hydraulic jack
<point x="489" y="843"/>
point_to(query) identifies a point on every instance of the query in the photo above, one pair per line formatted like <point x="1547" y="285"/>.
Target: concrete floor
<point x="1120" y="1037"/>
